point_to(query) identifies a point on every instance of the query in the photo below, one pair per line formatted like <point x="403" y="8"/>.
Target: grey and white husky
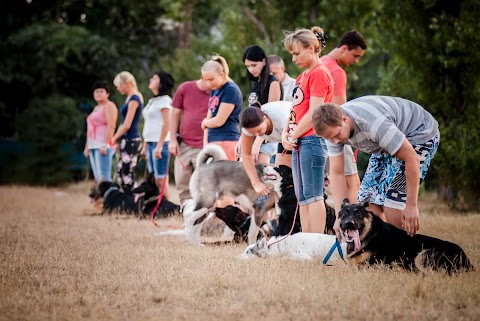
<point x="216" y="177"/>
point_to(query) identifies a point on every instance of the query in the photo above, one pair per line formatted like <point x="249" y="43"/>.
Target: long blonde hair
<point x="305" y="37"/>
<point x="126" y="77"/>
<point x="218" y="64"/>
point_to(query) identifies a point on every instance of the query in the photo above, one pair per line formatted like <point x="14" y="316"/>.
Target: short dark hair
<point x="101" y="84"/>
<point x="352" y="39"/>
<point x="252" y="116"/>
<point x="166" y="83"/>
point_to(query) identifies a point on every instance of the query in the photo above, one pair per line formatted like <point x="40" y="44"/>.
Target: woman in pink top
<point x="101" y="125"/>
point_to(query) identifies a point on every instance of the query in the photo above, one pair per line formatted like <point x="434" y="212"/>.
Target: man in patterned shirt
<point x="402" y="138"/>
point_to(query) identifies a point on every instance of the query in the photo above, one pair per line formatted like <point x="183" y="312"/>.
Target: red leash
<point x="159" y="200"/>
<point x="160" y="196"/>
<point x="183" y="166"/>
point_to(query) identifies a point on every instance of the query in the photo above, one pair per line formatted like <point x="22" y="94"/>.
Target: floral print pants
<point x="127" y="162"/>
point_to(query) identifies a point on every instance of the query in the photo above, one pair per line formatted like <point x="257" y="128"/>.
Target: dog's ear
<point x="346" y="201"/>
<point x="364" y="204"/>
<point x="262" y="243"/>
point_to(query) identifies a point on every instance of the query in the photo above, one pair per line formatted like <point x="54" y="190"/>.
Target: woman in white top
<point x="260" y="124"/>
<point x="156" y="135"/>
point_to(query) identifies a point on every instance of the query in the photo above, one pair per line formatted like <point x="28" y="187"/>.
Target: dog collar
<point x="109" y="191"/>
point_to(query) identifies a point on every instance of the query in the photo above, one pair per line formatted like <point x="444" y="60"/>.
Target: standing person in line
<point x="190" y="104"/>
<point x="101" y="125"/>
<point x="313" y="87"/>
<point x="401" y="136"/>
<point x="277" y="67"/>
<point x="266" y="88"/>
<point x="128" y="134"/>
<point x="349" y="50"/>
<point x="155" y="129"/>
<point x="221" y="125"/>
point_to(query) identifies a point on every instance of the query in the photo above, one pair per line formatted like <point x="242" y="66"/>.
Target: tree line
<point x="53" y="51"/>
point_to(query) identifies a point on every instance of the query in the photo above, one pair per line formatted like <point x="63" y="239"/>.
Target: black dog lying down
<point x="370" y="240"/>
<point x="114" y="200"/>
<point x="237" y="221"/>
<point x="288" y="205"/>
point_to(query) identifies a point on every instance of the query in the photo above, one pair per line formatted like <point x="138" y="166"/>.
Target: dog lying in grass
<point x="370" y="240"/>
<point x="140" y="204"/>
<point x="300" y="246"/>
<point x="239" y="222"/>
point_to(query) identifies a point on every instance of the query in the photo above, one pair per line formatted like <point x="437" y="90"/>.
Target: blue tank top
<point x="133" y="131"/>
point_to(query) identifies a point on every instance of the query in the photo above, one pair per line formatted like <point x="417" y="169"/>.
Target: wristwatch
<point x="291" y="140"/>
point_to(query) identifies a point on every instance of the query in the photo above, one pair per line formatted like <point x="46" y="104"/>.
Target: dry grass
<point x="57" y="264"/>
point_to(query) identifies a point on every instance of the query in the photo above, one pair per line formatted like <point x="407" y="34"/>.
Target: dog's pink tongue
<point x="356" y="239"/>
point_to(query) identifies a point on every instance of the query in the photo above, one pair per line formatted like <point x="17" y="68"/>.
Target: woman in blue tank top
<point x="128" y="134"/>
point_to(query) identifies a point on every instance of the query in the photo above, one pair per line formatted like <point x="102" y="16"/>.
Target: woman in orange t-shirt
<point x="313" y="87"/>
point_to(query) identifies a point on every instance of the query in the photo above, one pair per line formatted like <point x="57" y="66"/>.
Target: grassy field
<point x="56" y="263"/>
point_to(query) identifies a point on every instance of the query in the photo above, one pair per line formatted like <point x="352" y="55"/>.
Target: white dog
<point x="300" y="246"/>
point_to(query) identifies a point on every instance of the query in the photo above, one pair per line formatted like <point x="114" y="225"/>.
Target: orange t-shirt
<point x="338" y="74"/>
<point x="316" y="82"/>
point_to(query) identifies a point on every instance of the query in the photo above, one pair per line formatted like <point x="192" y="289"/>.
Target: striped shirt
<point x="382" y="123"/>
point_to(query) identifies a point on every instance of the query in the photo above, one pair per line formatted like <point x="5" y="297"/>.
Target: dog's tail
<point x="210" y="153"/>
<point x="450" y="261"/>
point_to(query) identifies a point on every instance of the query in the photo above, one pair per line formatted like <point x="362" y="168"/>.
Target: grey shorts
<point x="350" y="161"/>
<point x="269" y="149"/>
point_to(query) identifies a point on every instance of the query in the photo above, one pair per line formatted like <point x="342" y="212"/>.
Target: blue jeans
<point x="308" y="168"/>
<point x="101" y="164"/>
<point x="157" y="165"/>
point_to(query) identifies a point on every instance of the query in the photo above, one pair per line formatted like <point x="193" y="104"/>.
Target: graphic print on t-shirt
<point x="292" y="122"/>
<point x="213" y="103"/>
<point x="297" y="99"/>
<point x="252" y="98"/>
<point x="298" y="95"/>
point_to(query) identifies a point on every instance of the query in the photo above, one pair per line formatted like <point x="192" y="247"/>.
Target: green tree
<point x="432" y="48"/>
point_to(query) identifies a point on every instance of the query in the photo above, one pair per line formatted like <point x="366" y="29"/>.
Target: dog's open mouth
<point x="269" y="177"/>
<point x="353" y="236"/>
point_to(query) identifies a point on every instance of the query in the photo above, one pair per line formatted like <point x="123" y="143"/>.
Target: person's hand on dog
<point x="411" y="220"/>
<point x="262" y="189"/>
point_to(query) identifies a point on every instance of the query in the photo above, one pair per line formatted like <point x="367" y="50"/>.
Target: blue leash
<point x="336" y="245"/>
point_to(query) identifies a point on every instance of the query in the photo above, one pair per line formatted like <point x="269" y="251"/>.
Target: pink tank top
<point x="97" y="129"/>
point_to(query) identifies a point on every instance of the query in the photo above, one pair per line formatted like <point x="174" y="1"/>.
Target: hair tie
<point x="322" y="38"/>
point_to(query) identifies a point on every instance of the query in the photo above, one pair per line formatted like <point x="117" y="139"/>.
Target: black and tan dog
<point x="140" y="205"/>
<point x="370" y="240"/>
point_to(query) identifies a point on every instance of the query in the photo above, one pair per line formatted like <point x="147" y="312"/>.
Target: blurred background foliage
<point x="53" y="51"/>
